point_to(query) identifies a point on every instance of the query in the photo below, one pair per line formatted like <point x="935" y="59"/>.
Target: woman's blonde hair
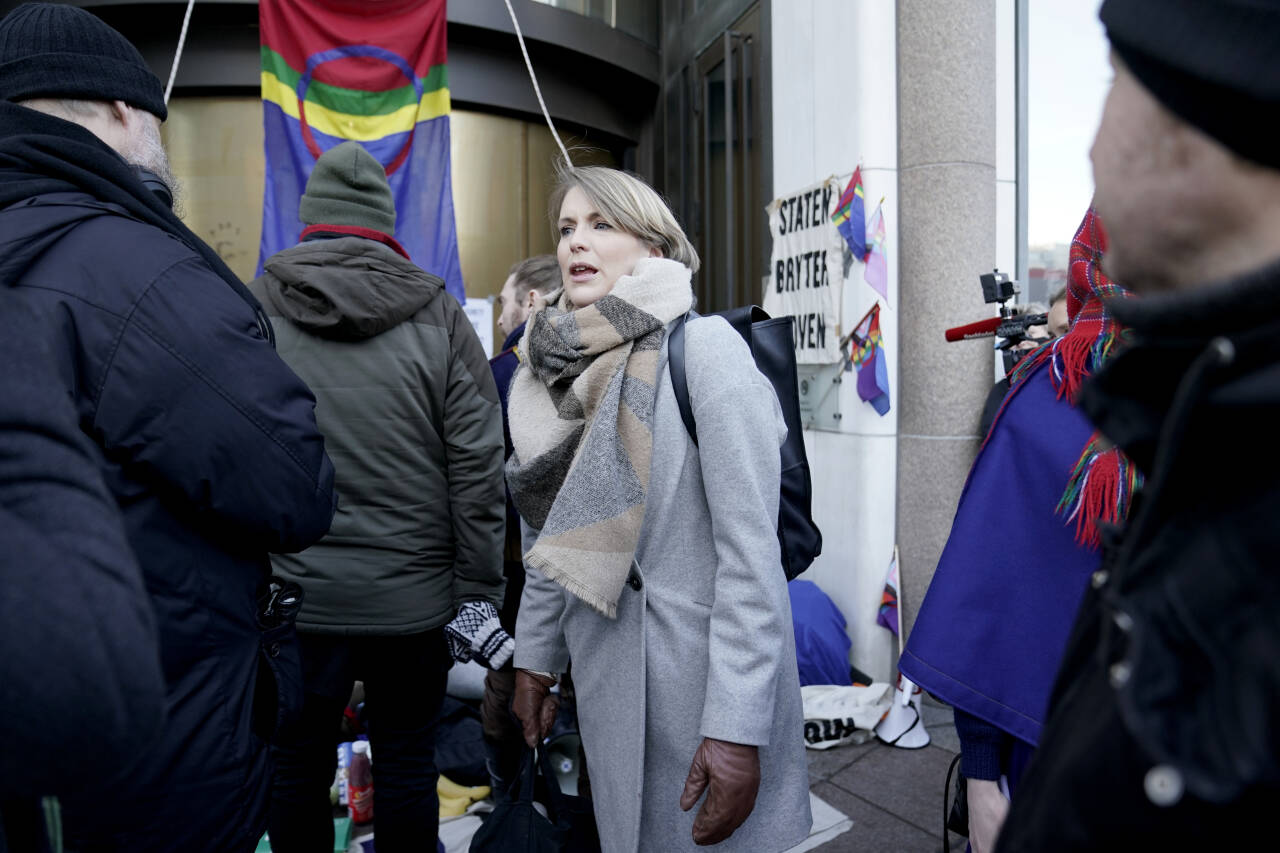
<point x="628" y="203"/>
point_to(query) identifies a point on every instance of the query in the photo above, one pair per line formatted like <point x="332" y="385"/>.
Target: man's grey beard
<point x="147" y="152"/>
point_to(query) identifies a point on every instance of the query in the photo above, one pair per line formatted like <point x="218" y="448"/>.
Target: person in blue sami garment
<point x="993" y="626"/>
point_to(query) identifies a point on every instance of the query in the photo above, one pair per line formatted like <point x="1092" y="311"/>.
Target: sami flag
<point x="868" y="357"/>
<point x="850" y="216"/>
<point x="334" y="70"/>
<point x="888" y="615"/>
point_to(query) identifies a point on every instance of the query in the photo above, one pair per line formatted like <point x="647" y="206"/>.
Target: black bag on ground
<point x="774" y="353"/>
<point x="460" y="743"/>
<point x="515" y="826"/>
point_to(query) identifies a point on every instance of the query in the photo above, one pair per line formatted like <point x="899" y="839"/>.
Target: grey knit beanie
<point x="50" y="50"/>
<point x="349" y="187"/>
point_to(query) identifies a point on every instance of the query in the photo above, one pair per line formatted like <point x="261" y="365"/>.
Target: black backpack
<point x="775" y="356"/>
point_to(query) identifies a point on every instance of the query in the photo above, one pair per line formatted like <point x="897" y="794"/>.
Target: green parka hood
<point x="346" y="288"/>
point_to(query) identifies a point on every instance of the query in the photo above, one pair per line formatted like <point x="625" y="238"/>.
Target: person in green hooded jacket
<point x="410" y="576"/>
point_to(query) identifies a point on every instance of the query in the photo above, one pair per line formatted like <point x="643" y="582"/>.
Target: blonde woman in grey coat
<point x="653" y="563"/>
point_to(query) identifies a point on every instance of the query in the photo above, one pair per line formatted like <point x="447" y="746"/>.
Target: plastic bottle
<point x="360" y="784"/>
<point x="340" y="777"/>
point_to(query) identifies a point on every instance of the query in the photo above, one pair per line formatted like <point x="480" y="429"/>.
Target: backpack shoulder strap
<point x="680" y="382"/>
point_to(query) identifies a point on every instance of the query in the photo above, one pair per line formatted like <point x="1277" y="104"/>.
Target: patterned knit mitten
<point x="476" y="633"/>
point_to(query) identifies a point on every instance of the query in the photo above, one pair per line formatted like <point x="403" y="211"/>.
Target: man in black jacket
<point x="204" y="437"/>
<point x="529" y="279"/>
<point x="1162" y="731"/>
<point x="80" y="658"/>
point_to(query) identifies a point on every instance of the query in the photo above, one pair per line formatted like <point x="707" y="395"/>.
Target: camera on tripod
<point x="997" y="287"/>
<point x="1010" y="326"/>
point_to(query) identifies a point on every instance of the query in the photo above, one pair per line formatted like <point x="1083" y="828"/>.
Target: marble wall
<point x="921" y="93"/>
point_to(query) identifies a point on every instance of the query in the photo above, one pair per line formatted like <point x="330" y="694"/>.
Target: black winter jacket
<point x="81" y="665"/>
<point x="1164" y="730"/>
<point x="208" y="443"/>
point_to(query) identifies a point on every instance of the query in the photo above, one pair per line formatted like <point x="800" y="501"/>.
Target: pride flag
<point x="888" y="613"/>
<point x="867" y="355"/>
<point x="850" y="216"/>
<point x="334" y="70"/>
<point x="877" y="272"/>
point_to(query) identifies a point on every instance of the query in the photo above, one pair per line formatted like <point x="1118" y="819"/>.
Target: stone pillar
<point x="947" y="225"/>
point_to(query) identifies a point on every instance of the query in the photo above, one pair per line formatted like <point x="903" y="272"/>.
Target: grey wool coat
<point x="704" y="647"/>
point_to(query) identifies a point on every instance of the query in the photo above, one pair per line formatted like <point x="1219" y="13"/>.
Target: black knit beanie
<point x="1213" y="63"/>
<point x="348" y="186"/>
<point x="50" y="50"/>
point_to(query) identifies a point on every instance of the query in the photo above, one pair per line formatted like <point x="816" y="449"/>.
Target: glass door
<point x="711" y="168"/>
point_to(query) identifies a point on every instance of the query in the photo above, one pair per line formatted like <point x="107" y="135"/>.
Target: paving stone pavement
<point x="894" y="796"/>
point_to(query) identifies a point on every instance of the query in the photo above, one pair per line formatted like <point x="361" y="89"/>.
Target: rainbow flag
<point x="850" y="216"/>
<point x="867" y="355"/>
<point x="334" y="70"/>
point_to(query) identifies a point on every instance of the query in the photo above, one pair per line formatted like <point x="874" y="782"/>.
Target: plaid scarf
<point x="1103" y="481"/>
<point x="581" y="415"/>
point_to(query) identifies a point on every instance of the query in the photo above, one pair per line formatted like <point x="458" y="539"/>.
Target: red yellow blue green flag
<point x="850" y="216"/>
<point x="376" y="73"/>
<point x="867" y="355"/>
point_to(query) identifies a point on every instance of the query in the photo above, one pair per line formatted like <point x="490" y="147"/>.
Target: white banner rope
<point x="537" y="90"/>
<point x="177" y="56"/>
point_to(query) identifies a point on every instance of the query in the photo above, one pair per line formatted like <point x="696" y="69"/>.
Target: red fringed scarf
<point x="1103" y="481"/>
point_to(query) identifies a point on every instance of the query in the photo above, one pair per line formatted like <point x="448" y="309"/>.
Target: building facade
<point x="723" y="105"/>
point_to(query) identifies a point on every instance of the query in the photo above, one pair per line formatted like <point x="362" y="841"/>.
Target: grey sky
<point x="1069" y="77"/>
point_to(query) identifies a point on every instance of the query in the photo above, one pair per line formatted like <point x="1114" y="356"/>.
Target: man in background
<point x="205" y="439"/>
<point x="529" y="280"/>
<point x="1037" y="336"/>
<point x="1059" y="322"/>
<point x="1162" y="725"/>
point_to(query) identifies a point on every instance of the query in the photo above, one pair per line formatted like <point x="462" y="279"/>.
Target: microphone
<point x="970" y="331"/>
<point x="1014" y="326"/>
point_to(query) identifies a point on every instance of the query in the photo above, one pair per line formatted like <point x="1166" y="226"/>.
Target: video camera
<point x="1011" y="326"/>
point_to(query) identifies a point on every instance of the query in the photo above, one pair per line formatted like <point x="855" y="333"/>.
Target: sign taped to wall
<point x="806" y="278"/>
<point x="480" y="312"/>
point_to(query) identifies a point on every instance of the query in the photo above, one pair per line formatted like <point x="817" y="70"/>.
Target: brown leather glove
<point x="730" y="773"/>
<point x="534" y="705"/>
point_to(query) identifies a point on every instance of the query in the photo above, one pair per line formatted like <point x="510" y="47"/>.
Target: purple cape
<point x="994" y="624"/>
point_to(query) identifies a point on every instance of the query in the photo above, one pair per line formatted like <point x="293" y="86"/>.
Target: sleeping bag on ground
<point x="822" y="646"/>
